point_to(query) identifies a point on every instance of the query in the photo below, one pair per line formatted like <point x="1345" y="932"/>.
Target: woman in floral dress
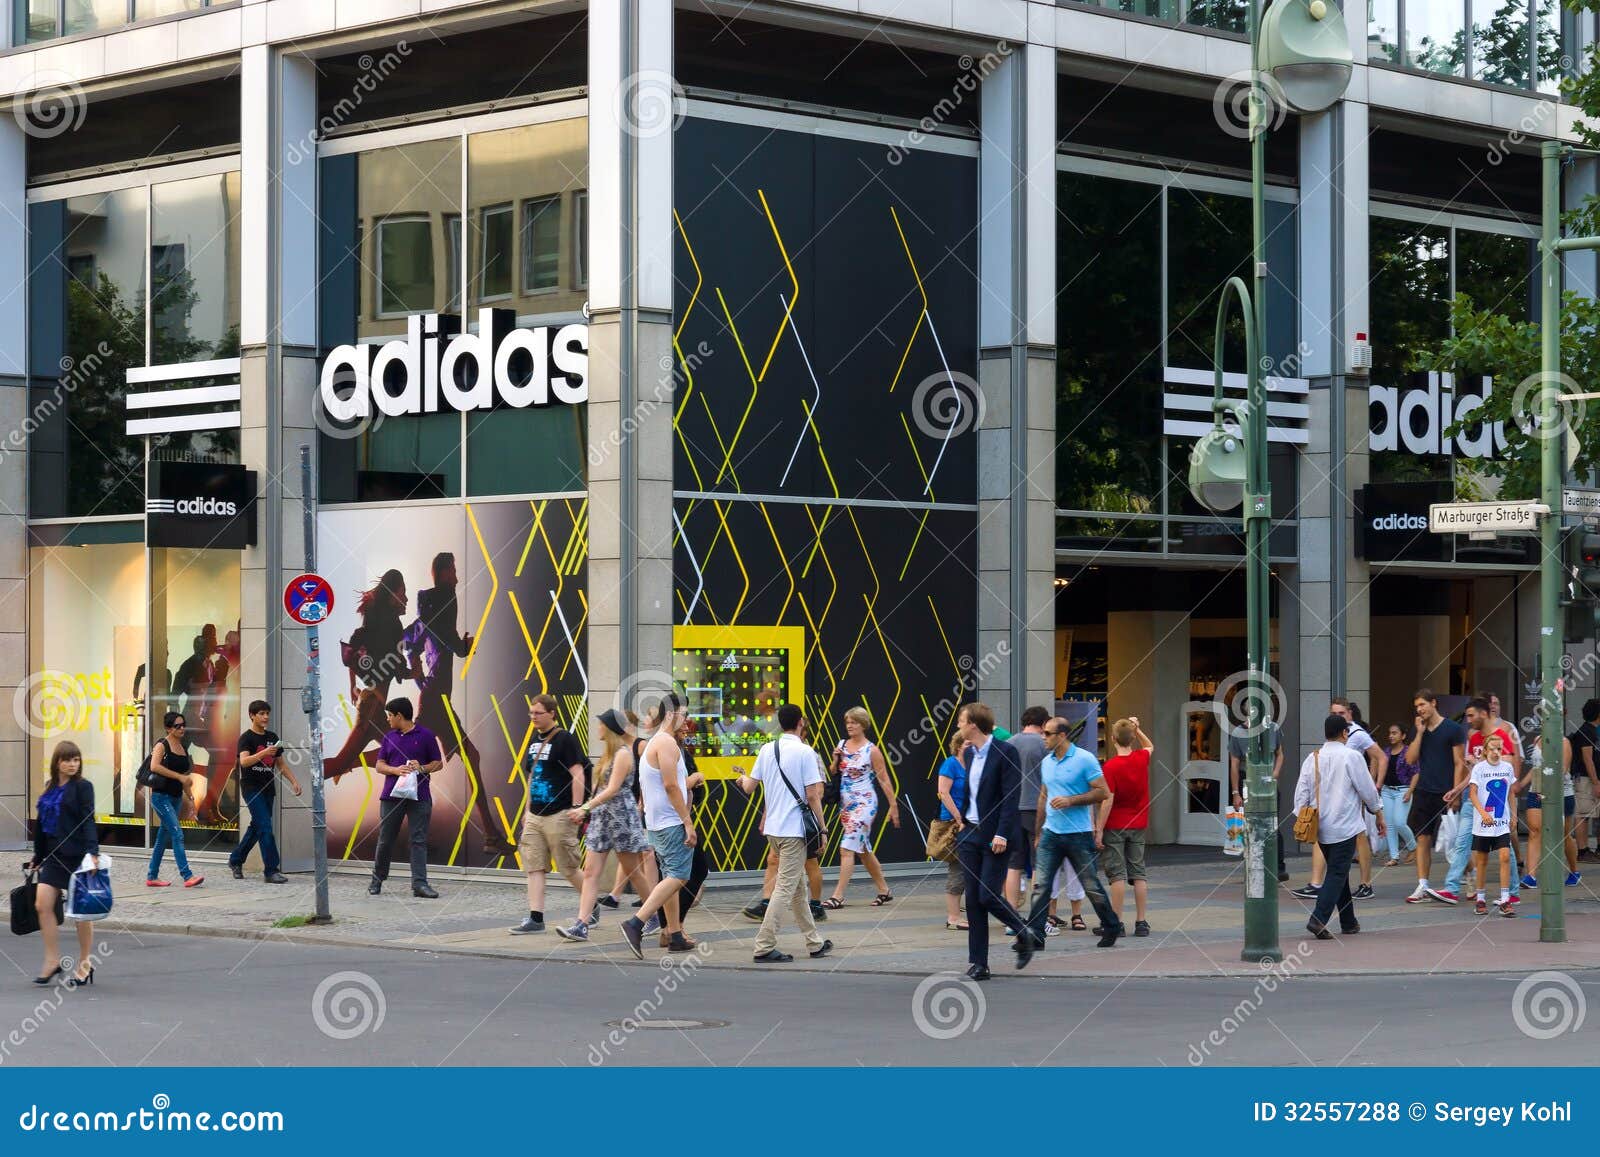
<point x="858" y="762"/>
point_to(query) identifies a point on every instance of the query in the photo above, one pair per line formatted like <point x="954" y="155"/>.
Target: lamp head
<point x="1217" y="468"/>
<point x="1304" y="47"/>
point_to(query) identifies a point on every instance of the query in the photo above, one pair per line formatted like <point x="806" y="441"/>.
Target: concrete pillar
<point x="1017" y="376"/>
<point x="1333" y="621"/>
<point x="632" y="111"/>
<point x="1147" y="669"/>
<point x="14" y="766"/>
<point x="278" y="383"/>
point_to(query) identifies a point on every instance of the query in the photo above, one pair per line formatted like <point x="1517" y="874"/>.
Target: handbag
<point x="833" y="784"/>
<point x="24" y="904"/>
<point x="809" y="824"/>
<point x="942" y="841"/>
<point x="146" y="777"/>
<point x="89" y="896"/>
<point x="1305" y="820"/>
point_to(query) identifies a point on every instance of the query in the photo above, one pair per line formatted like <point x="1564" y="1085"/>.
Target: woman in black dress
<point x="62" y="836"/>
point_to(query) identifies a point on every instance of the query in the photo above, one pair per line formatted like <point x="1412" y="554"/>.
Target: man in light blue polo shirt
<point x="1071" y="788"/>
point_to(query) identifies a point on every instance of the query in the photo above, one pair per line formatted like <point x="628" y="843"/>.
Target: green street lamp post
<point x="1303" y="47"/>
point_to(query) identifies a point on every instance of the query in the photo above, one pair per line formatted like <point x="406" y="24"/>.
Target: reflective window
<point x="580" y="239"/>
<point x="1228" y="15"/>
<point x="93" y="15"/>
<point x="1383" y="31"/>
<point x="496" y="226"/>
<point x="194" y="269"/>
<point x="541" y="244"/>
<point x="46" y="19"/>
<point x="405" y="266"/>
<point x="1436" y="36"/>
<point x="1552" y="63"/>
<point x="1500" y="41"/>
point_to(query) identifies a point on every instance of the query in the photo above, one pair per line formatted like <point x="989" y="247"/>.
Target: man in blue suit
<point x="989" y="829"/>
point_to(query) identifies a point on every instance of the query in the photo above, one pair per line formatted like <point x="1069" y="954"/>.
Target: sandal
<point x="1055" y="921"/>
<point x="833" y="903"/>
<point x="1392" y="864"/>
<point x="1078" y="925"/>
<point x="883" y="898"/>
<point x="955" y="926"/>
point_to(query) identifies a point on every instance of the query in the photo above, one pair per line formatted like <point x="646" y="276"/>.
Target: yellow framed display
<point x="734" y="680"/>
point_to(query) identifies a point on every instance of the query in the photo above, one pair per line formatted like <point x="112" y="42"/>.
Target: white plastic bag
<point x="1446" y="842"/>
<point x="1233" y="831"/>
<point x="89" y="892"/>
<point x="405" y="787"/>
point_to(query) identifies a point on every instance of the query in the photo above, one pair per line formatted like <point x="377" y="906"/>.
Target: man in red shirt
<point x="1122" y="818"/>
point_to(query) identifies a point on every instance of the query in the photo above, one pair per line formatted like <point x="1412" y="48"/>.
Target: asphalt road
<point x="172" y="1000"/>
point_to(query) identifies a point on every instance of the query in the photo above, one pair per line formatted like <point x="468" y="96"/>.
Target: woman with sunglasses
<point x="170" y="768"/>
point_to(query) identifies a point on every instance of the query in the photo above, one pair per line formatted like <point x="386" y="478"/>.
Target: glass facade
<point x="393" y="248"/>
<point x="91" y="277"/>
<point x="1517" y="43"/>
<point x="47" y="19"/>
<point x="1141" y="263"/>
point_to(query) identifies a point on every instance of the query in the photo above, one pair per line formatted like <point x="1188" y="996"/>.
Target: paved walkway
<point x="1195" y="914"/>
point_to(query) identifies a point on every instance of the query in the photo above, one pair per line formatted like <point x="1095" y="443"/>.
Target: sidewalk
<point x="1195" y="915"/>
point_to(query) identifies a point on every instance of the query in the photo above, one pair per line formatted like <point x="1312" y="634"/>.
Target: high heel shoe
<point x="79" y="982"/>
<point x="49" y="976"/>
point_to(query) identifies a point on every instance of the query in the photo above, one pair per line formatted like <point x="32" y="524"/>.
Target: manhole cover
<point x="680" y="1024"/>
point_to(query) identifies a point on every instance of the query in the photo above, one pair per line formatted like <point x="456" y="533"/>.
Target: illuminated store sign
<point x="436" y="367"/>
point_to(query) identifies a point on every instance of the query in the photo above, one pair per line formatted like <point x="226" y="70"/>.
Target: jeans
<point x="392" y="813"/>
<point x="1461" y="856"/>
<point x="260" y="830"/>
<point x="985" y="871"/>
<point x="1395" y="807"/>
<point x="1077" y="848"/>
<point x="166" y="809"/>
<point x="1335" y="890"/>
<point x="790" y="889"/>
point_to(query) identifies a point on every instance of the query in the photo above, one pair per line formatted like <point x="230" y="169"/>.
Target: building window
<point x="405" y="266"/>
<point x="580" y="239"/>
<point x="497" y="224"/>
<point x="541" y="244"/>
<point x="452" y="236"/>
<point x="38" y="20"/>
<point x="1496" y="48"/>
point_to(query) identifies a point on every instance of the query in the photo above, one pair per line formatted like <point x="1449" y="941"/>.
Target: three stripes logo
<point x="161" y="506"/>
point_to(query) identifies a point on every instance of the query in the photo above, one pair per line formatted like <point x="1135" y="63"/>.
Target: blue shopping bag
<point x="89" y="896"/>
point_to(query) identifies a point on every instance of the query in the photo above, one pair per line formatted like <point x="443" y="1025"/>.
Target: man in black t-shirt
<point x="1439" y="752"/>
<point x="1586" y="775"/>
<point x="259" y="749"/>
<point x="555" y="766"/>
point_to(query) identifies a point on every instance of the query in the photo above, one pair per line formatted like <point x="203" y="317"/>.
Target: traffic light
<point x="1583" y="562"/>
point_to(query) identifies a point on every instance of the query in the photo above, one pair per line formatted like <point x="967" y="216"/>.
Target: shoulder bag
<point x="815" y="838"/>
<point x="832" y="783"/>
<point x="1305" y="820"/>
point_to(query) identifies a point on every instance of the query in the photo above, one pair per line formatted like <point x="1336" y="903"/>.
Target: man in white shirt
<point x="1338" y="782"/>
<point x="1364" y="745"/>
<point x="787" y="771"/>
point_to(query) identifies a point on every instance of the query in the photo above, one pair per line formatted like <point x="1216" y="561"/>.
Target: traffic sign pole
<point x="311" y="700"/>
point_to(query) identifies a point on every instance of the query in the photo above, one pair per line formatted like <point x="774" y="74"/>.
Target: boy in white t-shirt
<point x="1493" y="799"/>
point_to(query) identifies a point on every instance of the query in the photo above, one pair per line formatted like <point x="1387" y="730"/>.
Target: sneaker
<point x="1442" y="896"/>
<point x="1508" y="908"/>
<point x="1052" y="929"/>
<point x="593" y="920"/>
<point x="818" y="912"/>
<point x="528" y="927"/>
<point x="653" y="924"/>
<point x="639" y="903"/>
<point x="238" y="872"/>
<point x="1481" y="907"/>
<point x="1573" y="878"/>
<point x="681" y="943"/>
<point x="1309" y="891"/>
<point x="756" y="911"/>
<point x="633" y="933"/>
<point x="609" y="901"/>
<point x="1417" y="896"/>
<point x="579" y="932"/>
<point x="1364" y="892"/>
<point x="1141" y="927"/>
<point x="1530" y="881"/>
<point x="1514" y="900"/>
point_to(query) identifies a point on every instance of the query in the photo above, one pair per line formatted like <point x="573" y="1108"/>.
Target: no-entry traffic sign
<point x="308" y="598"/>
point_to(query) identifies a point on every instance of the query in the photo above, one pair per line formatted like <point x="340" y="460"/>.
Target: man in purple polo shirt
<point x="406" y="749"/>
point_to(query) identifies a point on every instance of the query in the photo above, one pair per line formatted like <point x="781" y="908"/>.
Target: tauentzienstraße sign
<point x="1484" y="517"/>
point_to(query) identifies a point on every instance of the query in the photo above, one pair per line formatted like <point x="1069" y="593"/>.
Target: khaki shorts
<point x="548" y="837"/>
<point x="1584" y="791"/>
<point x="1122" y="857"/>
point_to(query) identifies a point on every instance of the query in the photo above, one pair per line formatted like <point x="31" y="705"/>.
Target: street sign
<point x="309" y="599"/>
<point x="1584" y="501"/>
<point x="1484" y="517"/>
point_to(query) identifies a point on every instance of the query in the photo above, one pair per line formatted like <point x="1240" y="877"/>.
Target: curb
<point x="297" y="936"/>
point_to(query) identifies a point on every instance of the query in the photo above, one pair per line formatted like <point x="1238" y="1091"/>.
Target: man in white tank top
<point x="667" y="822"/>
